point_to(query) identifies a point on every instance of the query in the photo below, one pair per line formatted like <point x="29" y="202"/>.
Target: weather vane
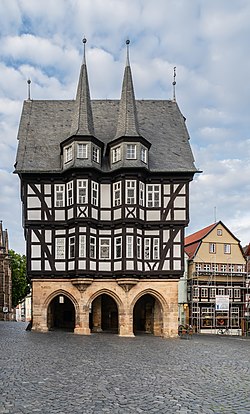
<point x="84" y="41"/>
<point x="174" y="83"/>
<point x="29" y="82"/>
<point x="127" y="43"/>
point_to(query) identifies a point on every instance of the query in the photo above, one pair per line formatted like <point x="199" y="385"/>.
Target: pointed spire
<point x="127" y="124"/>
<point x="82" y="120"/>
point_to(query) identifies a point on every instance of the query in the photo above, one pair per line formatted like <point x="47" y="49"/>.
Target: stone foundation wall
<point x="125" y="292"/>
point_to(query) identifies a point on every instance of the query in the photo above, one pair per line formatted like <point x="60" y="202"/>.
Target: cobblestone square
<point x="59" y="372"/>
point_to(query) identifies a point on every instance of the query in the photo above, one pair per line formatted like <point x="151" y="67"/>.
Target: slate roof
<point x="45" y="124"/>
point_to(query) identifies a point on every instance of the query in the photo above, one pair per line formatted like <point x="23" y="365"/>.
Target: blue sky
<point x="207" y="41"/>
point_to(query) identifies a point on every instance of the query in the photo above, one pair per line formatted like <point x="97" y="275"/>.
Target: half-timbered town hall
<point x="105" y="193"/>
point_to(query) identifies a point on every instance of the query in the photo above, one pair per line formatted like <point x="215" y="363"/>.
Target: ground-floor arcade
<point x="124" y="307"/>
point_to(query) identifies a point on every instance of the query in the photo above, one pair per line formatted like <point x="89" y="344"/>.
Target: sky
<point x="207" y="42"/>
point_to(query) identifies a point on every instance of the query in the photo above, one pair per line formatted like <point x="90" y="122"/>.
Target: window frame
<point x="60" y="256"/>
<point x="72" y="245"/>
<point x="70" y="193"/>
<point x="130" y="187"/>
<point x="129" y="246"/>
<point x="82" y="245"/>
<point x="227" y="248"/>
<point x="59" y="202"/>
<point x="116" y="154"/>
<point x="68" y="153"/>
<point x="94" y="198"/>
<point x="212" y="247"/>
<point x="103" y="246"/>
<point x="151" y="196"/>
<point x="92" y="247"/>
<point x="96" y="154"/>
<point x="82" y="187"/>
<point x="131" y="152"/>
<point x="117" y="191"/>
<point x="144" y="155"/>
<point x="82" y="154"/>
<point x="118" y="247"/>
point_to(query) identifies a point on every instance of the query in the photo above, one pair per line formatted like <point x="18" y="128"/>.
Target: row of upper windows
<point x="213" y="291"/>
<point x="91" y="151"/>
<point x="149" y="191"/>
<point x="146" y="248"/>
<point x="216" y="267"/>
<point x="227" y="248"/>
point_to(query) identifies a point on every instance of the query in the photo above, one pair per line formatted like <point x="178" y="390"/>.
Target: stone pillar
<point x="97" y="314"/>
<point x="157" y="319"/>
<point x="126" y="324"/>
<point x="82" y="323"/>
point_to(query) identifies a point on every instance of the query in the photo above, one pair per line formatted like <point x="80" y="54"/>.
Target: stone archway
<point x="61" y="313"/>
<point x="148" y="316"/>
<point x="104" y="316"/>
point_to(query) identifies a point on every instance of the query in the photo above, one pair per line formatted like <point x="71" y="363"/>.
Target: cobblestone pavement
<point x="63" y="373"/>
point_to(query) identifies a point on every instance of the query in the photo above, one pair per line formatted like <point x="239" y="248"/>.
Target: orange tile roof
<point x="195" y="237"/>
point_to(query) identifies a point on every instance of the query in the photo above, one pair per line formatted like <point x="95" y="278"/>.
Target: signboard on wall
<point x="222" y="302"/>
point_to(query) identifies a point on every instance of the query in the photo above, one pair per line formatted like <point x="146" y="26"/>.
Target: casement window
<point x="212" y="248"/>
<point x="239" y="268"/>
<point x="131" y="152"/>
<point x="229" y="292"/>
<point x="212" y="293"/>
<point x="92" y="247"/>
<point x="94" y="193"/>
<point x="118" y="247"/>
<point x="144" y="153"/>
<point x="60" y="248"/>
<point x="104" y="248"/>
<point x="219" y="232"/>
<point x="207" y="267"/>
<point x="116" y="154"/>
<point x="117" y="193"/>
<point x="195" y="292"/>
<point x="59" y="195"/>
<point x="156" y="249"/>
<point x="96" y="154"/>
<point x="82" y="245"/>
<point x="221" y="291"/>
<point x="130" y="192"/>
<point x="71" y="247"/>
<point x="147" y="243"/>
<point x="235" y="320"/>
<point x="223" y="268"/>
<point x="129" y="247"/>
<point x="204" y="292"/>
<point x="139" y="244"/>
<point x="82" y="191"/>
<point x="68" y="154"/>
<point x="153" y="195"/>
<point x="70" y="193"/>
<point x="197" y="267"/>
<point x="227" y="248"/>
<point x="215" y="267"/>
<point x="141" y="193"/>
<point x="82" y="151"/>
<point x="237" y="293"/>
<point x="231" y="268"/>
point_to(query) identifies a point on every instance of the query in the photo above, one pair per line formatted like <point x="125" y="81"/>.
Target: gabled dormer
<point x="128" y="148"/>
<point x="81" y="148"/>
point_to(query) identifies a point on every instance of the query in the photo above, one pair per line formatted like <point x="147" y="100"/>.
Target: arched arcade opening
<point x="104" y="315"/>
<point x="148" y="316"/>
<point x="61" y="313"/>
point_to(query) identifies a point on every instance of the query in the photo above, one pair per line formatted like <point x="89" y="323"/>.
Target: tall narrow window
<point x="82" y="245"/>
<point x="212" y="248"/>
<point x="129" y="247"/>
<point x="96" y="154"/>
<point x="227" y="248"/>
<point x="82" y="150"/>
<point x="118" y="247"/>
<point x="68" y="153"/>
<point x="138" y="247"/>
<point x="71" y="247"/>
<point x="60" y="248"/>
<point x="141" y="193"/>
<point x="147" y="249"/>
<point x="130" y="192"/>
<point x="144" y="155"/>
<point x="59" y="195"/>
<point x="92" y="247"/>
<point x="116" y="154"/>
<point x="117" y="193"/>
<point x="153" y="195"/>
<point x="94" y="195"/>
<point x="156" y="247"/>
<point x="82" y="191"/>
<point x="131" y="152"/>
<point x="70" y="193"/>
<point x="105" y="248"/>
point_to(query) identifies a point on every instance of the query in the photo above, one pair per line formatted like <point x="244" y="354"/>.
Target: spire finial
<point x="174" y="83"/>
<point x="29" y="82"/>
<point x="84" y="41"/>
<point x="127" y="43"/>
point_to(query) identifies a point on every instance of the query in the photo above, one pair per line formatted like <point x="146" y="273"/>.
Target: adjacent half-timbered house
<point x="105" y="193"/>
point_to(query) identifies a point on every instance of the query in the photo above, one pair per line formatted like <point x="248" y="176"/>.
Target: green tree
<point x="20" y="285"/>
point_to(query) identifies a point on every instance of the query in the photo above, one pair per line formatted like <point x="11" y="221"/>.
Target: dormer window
<point x="131" y="152"/>
<point x="96" y="154"/>
<point x="68" y="154"/>
<point x="82" y="150"/>
<point x="116" y="154"/>
<point x="144" y="154"/>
